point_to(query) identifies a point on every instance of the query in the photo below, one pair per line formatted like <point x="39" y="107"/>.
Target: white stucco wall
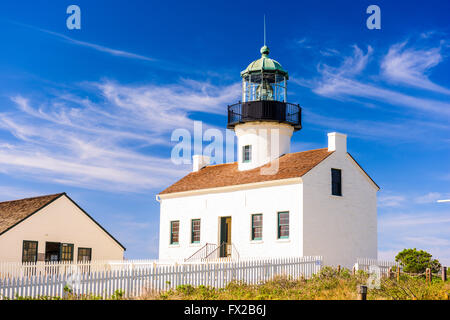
<point x="240" y="205"/>
<point x="61" y="221"/>
<point x="340" y="228"/>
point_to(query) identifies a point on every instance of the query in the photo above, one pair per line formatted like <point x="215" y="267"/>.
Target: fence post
<point x="398" y="273"/>
<point x="428" y="275"/>
<point x="444" y="273"/>
<point x="362" y="292"/>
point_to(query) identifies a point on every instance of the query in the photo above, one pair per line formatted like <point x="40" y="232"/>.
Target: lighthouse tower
<point x="263" y="121"/>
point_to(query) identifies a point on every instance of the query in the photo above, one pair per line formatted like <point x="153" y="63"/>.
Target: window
<point x="246" y="153"/>
<point x="195" y="234"/>
<point x="336" y="182"/>
<point x="29" y="251"/>
<point x="283" y="225"/>
<point x="174" y="231"/>
<point x="66" y="252"/>
<point x="84" y="254"/>
<point x="256" y="226"/>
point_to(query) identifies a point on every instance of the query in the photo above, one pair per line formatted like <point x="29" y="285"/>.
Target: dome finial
<point x="264" y="51"/>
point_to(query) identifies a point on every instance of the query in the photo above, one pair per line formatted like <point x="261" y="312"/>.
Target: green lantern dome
<point x="265" y="64"/>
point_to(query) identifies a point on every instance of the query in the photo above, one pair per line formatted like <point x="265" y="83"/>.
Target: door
<point x="52" y="251"/>
<point x="225" y="236"/>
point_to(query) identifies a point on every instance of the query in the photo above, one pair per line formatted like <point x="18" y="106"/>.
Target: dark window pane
<point x="174" y="231"/>
<point x="257" y="227"/>
<point x="84" y="254"/>
<point x="283" y="225"/>
<point x="336" y="182"/>
<point x="247" y="153"/>
<point x="195" y="236"/>
<point x="29" y="253"/>
<point x="66" y="252"/>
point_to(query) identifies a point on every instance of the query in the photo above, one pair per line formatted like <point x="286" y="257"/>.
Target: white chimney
<point x="337" y="142"/>
<point x="199" y="161"/>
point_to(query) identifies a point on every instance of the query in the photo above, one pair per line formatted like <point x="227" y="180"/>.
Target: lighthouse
<point x="264" y="120"/>
<point x="271" y="202"/>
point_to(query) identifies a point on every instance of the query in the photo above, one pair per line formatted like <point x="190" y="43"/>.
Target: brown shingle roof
<point x="291" y="165"/>
<point x="13" y="212"/>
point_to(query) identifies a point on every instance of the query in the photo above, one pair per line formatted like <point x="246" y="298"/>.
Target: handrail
<point x="201" y="253"/>
<point x="216" y="253"/>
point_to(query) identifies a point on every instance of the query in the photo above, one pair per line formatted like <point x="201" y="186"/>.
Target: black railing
<point x="265" y="110"/>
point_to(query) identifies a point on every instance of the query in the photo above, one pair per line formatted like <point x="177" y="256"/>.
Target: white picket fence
<point x="19" y="270"/>
<point x="383" y="265"/>
<point x="136" y="278"/>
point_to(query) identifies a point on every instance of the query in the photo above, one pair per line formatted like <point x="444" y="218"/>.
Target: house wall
<point x="60" y="221"/>
<point x="340" y="228"/>
<point x="240" y="205"/>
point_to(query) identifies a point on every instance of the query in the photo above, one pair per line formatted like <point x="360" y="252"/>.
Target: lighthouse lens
<point x="264" y="91"/>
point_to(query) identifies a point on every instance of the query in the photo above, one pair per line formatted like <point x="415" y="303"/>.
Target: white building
<point x="53" y="228"/>
<point x="271" y="202"/>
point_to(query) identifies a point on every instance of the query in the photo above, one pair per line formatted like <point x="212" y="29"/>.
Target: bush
<point x="415" y="261"/>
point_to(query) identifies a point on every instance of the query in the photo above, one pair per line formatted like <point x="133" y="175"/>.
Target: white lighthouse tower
<point x="264" y="121"/>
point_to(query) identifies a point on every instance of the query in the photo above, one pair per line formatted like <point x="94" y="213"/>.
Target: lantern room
<point x="264" y="95"/>
<point x="264" y="79"/>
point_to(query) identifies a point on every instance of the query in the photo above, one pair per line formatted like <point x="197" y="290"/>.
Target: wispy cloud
<point x="406" y="66"/>
<point x="409" y="66"/>
<point x="391" y="200"/>
<point x="9" y="193"/>
<point x="427" y="230"/>
<point x="370" y="129"/>
<point x="111" y="51"/>
<point x="431" y="197"/>
<point x="104" y="145"/>
<point x="414" y="219"/>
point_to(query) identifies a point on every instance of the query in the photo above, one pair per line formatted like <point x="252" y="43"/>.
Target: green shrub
<point x="415" y="261"/>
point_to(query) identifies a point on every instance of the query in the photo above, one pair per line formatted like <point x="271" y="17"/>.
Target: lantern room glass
<point x="264" y="86"/>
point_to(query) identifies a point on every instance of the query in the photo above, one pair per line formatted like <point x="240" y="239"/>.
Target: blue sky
<point x="91" y="111"/>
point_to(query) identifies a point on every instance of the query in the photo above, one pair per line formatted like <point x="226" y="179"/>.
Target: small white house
<point x="271" y="202"/>
<point x="53" y="228"/>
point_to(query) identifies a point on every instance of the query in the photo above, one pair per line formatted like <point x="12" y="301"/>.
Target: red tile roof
<point x="291" y="165"/>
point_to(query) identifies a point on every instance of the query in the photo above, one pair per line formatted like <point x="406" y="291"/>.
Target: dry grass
<point x="328" y="285"/>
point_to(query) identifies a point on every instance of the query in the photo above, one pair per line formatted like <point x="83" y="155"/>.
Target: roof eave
<point x="229" y="188"/>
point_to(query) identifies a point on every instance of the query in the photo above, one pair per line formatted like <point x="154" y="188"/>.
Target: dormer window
<point x="336" y="182"/>
<point x="247" y="153"/>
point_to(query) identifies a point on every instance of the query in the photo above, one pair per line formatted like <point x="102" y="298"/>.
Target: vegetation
<point x="415" y="261"/>
<point x="69" y="295"/>
<point x="329" y="284"/>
